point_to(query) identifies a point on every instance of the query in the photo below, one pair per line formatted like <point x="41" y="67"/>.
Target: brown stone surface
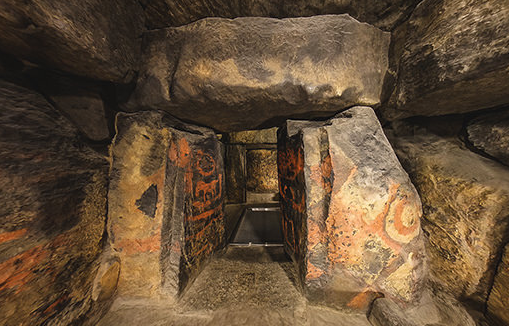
<point x="246" y="286"/>
<point x="432" y="309"/>
<point x="93" y="38"/>
<point x="466" y="207"/>
<point x="454" y="59"/>
<point x="351" y="214"/>
<point x="263" y="136"/>
<point x="282" y="68"/>
<point x="80" y="100"/>
<point x="384" y="14"/>
<point x="165" y="202"/>
<point x="261" y="171"/>
<point x="53" y="213"/>
<point x="106" y="280"/>
<point x="490" y="134"/>
<point x="498" y="301"/>
<point x="235" y="170"/>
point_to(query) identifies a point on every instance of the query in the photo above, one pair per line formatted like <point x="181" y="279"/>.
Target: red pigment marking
<point x="205" y="164"/>
<point x="290" y="163"/>
<point x="200" y="233"/>
<point x="287" y="231"/>
<point x="398" y="223"/>
<point x="313" y="272"/>
<point x="314" y="234"/>
<point x="343" y="221"/>
<point x="207" y="193"/>
<point x="9" y="236"/>
<point x="135" y="246"/>
<point x="363" y="300"/>
<point x="184" y="153"/>
<point x="175" y="247"/>
<point x="203" y="215"/>
<point x="17" y="271"/>
<point x="55" y="304"/>
<point x="202" y="249"/>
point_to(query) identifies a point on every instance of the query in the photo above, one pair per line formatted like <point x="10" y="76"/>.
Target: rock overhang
<point x="252" y="72"/>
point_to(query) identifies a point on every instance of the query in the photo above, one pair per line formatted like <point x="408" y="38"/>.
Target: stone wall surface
<point x="235" y="171"/>
<point x="454" y="59"/>
<point x="80" y="100"/>
<point x="385" y="14"/>
<point x="351" y="214"/>
<point x="433" y="309"/>
<point x="466" y="207"/>
<point x="490" y="134"/>
<point x="254" y="72"/>
<point x="52" y="214"/>
<point x="262" y="136"/>
<point x="499" y="297"/>
<point x="92" y="38"/>
<point x="261" y="171"/>
<point x="165" y="202"/>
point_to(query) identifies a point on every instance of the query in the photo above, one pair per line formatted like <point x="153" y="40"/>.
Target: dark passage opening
<point x="260" y="226"/>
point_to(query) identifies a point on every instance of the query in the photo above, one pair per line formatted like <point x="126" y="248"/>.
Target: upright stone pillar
<point x="351" y="215"/>
<point x="165" y="202"/>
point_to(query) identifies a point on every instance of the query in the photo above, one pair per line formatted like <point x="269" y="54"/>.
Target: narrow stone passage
<point x="243" y="286"/>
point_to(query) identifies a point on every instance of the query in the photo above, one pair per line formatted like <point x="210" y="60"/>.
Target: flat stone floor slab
<point x="244" y="286"/>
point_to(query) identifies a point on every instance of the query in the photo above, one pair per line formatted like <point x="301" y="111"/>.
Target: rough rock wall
<point x="451" y="57"/>
<point x="165" y="202"/>
<point x="489" y="133"/>
<point x="52" y="215"/>
<point x="384" y="14"/>
<point x="93" y="38"/>
<point x="466" y="207"/>
<point x="351" y="214"/>
<point x="243" y="73"/>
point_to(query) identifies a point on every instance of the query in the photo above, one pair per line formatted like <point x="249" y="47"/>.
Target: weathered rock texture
<point x="52" y="215"/>
<point x="466" y="207"/>
<point x="81" y="101"/>
<point x="384" y="14"/>
<point x="235" y="171"/>
<point x="351" y="214"/>
<point x="247" y="72"/>
<point x="257" y="137"/>
<point x="431" y="310"/>
<point x="499" y="296"/>
<point x="262" y="171"/>
<point x="490" y="134"/>
<point x="454" y="58"/>
<point x="165" y="202"/>
<point x="93" y="38"/>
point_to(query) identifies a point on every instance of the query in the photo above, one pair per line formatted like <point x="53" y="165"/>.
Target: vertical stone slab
<point x="290" y="163"/>
<point x="235" y="168"/>
<point x="165" y="202"/>
<point x="351" y="214"/>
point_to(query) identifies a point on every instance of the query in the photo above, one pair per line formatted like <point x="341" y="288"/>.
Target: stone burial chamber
<point x="259" y="162"/>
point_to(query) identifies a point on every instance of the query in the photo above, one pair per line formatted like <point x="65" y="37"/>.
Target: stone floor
<point x="245" y="286"/>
